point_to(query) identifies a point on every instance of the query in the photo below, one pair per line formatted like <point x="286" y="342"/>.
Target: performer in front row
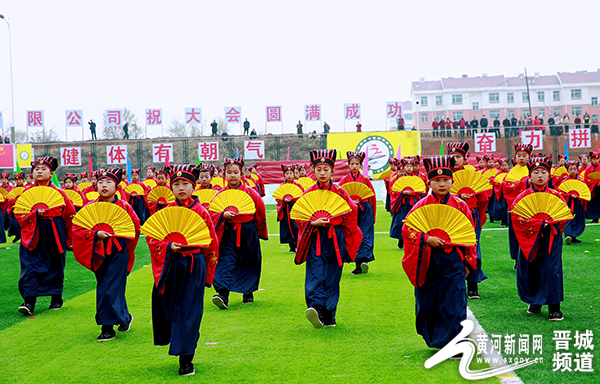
<point x="441" y="301"/>
<point x="44" y="243"/>
<point x="539" y="262"/>
<point x="110" y="258"/>
<point x="288" y="229"/>
<point x="367" y="211"/>
<point x="240" y="256"/>
<point x="325" y="245"/>
<point x="180" y="276"/>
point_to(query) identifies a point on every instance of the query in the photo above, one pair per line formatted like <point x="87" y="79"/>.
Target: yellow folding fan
<point x="443" y="221"/>
<point x="178" y="225"/>
<point x="205" y="196"/>
<point x="93" y="195"/>
<point x="250" y="183"/>
<point x="500" y="177"/>
<point x="306" y="182"/>
<point x="75" y="197"/>
<point x="469" y="167"/>
<point x="2" y="198"/>
<point x="287" y="190"/>
<point x="582" y="174"/>
<point x="560" y="171"/>
<point x="38" y="198"/>
<point x="162" y="194"/>
<point x="490" y="173"/>
<point x="409" y="183"/>
<point x="3" y="191"/>
<point x="517" y="173"/>
<point x="232" y="200"/>
<point x="218" y="181"/>
<point x="254" y="176"/>
<point x="541" y="205"/>
<point x="576" y="187"/>
<point x="83" y="185"/>
<point x="469" y="182"/>
<point x="108" y="217"/>
<point x="358" y="190"/>
<point x="123" y="184"/>
<point x="15" y="192"/>
<point x="594" y="175"/>
<point x="138" y="189"/>
<point x="385" y="174"/>
<point x="150" y="182"/>
<point x="319" y="204"/>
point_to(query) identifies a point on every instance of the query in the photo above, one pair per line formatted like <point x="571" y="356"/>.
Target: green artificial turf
<point x="270" y="341"/>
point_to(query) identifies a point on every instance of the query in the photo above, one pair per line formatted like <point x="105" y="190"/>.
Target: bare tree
<point x="41" y="136"/>
<point x="179" y="129"/>
<point x="135" y="130"/>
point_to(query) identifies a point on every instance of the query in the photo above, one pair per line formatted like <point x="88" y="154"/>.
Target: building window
<point x="541" y="112"/>
<point x="494" y="97"/>
<point x="424" y="101"/>
<point x="439" y="116"/>
<point x="556" y="95"/>
<point x="424" y="118"/>
<point x="576" y="111"/>
<point x="594" y="101"/>
<point x="510" y="97"/>
<point x="407" y="116"/>
<point x="494" y="114"/>
<point x="541" y="96"/>
<point x="511" y="114"/>
<point x="594" y="118"/>
<point x="475" y="106"/>
<point x="526" y="112"/>
<point x="575" y="93"/>
<point x="457" y="115"/>
<point x="525" y="97"/>
<point x="556" y="111"/>
<point x="439" y="100"/>
<point x="456" y="99"/>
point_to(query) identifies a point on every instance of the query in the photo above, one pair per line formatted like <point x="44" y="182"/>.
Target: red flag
<point x="6" y="156"/>
<point x="90" y="166"/>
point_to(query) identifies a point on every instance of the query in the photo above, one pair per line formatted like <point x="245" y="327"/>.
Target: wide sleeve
<point x="29" y="229"/>
<point x="132" y="243"/>
<point x="211" y="253"/>
<point x="87" y="250"/>
<point x="352" y="233"/>
<point x="260" y="217"/>
<point x="417" y="254"/>
<point x="160" y="254"/>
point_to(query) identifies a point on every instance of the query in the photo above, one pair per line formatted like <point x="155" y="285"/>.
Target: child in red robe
<point x="240" y="256"/>
<point x="367" y="211"/>
<point x="288" y="230"/>
<point x="111" y="259"/>
<point x="325" y="245"/>
<point x="180" y="276"/>
<point x="438" y="270"/>
<point x="44" y="243"/>
<point x="539" y="262"/>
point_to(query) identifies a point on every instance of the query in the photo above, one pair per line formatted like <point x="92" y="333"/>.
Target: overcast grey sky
<point x="210" y="54"/>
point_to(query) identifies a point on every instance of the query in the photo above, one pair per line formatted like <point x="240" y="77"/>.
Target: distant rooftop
<point x="485" y="81"/>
